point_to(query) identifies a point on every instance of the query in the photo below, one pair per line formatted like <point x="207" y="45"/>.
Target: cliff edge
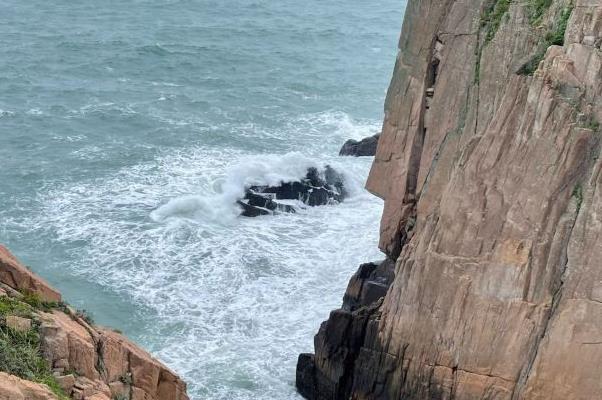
<point x="49" y="351"/>
<point x="489" y="166"/>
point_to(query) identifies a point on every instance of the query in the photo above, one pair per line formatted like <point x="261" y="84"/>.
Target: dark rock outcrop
<point x="363" y="148"/>
<point x="316" y="189"/>
<point x="326" y="375"/>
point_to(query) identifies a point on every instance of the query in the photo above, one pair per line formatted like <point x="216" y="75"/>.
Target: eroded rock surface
<point x="88" y="361"/>
<point x="489" y="165"/>
<point x="14" y="388"/>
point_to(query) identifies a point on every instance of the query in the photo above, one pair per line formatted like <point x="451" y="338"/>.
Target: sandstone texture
<point x="14" y="388"/>
<point x="89" y="362"/>
<point x="489" y="166"/>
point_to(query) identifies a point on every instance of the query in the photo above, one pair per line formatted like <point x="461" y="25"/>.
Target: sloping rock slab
<point x="18" y="277"/>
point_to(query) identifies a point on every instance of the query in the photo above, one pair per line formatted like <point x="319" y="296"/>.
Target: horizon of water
<point x="128" y="128"/>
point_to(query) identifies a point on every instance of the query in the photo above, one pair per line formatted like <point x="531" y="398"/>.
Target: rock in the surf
<point x="316" y="189"/>
<point x="364" y="148"/>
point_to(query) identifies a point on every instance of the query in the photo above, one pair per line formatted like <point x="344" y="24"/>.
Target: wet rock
<point x="327" y="375"/>
<point x="316" y="189"/>
<point x="363" y="148"/>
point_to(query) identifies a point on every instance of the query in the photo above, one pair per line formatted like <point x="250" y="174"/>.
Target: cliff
<point x="489" y="165"/>
<point x="50" y="351"/>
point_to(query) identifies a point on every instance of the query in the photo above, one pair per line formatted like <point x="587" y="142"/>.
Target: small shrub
<point x="20" y="356"/>
<point x="537" y="9"/>
<point x="593" y="125"/>
<point x="588" y="122"/>
<point x="10" y="306"/>
<point x="53" y="385"/>
<point x="554" y="37"/>
<point x="34" y="300"/>
<point x="492" y="18"/>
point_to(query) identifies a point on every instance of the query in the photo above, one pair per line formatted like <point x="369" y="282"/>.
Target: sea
<point x="129" y="128"/>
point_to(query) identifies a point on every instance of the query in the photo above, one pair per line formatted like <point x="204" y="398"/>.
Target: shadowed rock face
<point x="490" y="173"/>
<point x="324" y="375"/>
<point x="364" y="148"/>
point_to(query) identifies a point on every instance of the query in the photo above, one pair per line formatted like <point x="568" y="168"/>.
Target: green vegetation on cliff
<point x="20" y="353"/>
<point x="537" y="9"/>
<point x="554" y="37"/>
<point x="492" y="18"/>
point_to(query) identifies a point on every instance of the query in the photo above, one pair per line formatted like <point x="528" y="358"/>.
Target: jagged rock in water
<point x="316" y="189"/>
<point x="363" y="148"/>
<point x="489" y="167"/>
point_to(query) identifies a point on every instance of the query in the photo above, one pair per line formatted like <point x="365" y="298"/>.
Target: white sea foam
<point x="6" y="113"/>
<point x="234" y="299"/>
<point x="219" y="203"/>
<point x="35" y="111"/>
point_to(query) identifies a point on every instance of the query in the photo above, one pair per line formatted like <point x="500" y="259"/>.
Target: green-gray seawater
<point x="128" y="127"/>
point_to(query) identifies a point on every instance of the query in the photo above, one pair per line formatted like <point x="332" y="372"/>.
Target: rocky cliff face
<point x="490" y="171"/>
<point x="50" y="351"/>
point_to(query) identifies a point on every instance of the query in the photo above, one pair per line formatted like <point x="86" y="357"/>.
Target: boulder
<point x="18" y="323"/>
<point x="363" y="148"/>
<point x="316" y="189"/>
<point x="14" y="388"/>
<point x="66" y="382"/>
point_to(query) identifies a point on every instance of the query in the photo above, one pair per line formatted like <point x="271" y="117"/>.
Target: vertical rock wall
<point x="490" y="171"/>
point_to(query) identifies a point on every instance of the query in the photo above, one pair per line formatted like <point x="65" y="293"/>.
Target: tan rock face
<point x="18" y="277"/>
<point x="14" y="388"/>
<point x="18" y="323"/>
<point x="493" y="212"/>
<point x="91" y="363"/>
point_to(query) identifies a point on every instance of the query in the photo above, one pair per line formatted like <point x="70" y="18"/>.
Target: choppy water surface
<point x="127" y="126"/>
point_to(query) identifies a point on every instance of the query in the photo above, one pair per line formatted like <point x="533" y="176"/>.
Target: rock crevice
<point x="493" y="213"/>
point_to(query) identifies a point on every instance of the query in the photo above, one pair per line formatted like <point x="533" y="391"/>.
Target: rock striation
<point x="489" y="165"/>
<point x="84" y="361"/>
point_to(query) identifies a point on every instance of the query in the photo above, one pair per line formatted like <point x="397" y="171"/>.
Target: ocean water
<point x="127" y="128"/>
